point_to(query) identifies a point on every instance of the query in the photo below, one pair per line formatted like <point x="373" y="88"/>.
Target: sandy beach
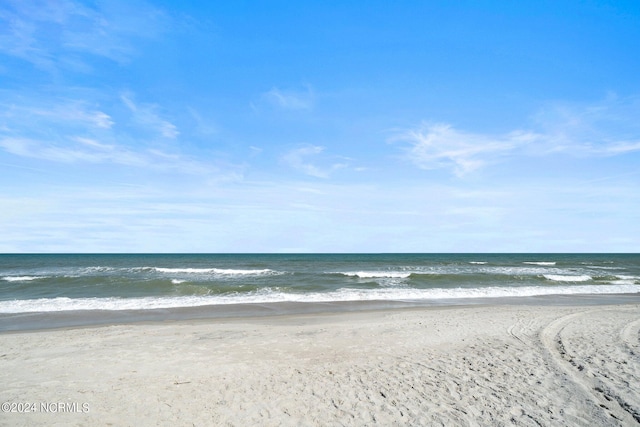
<point x="479" y="365"/>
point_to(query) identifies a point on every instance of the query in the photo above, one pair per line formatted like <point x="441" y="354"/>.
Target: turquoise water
<point x="48" y="283"/>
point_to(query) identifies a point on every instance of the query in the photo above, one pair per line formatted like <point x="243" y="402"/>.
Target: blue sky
<point x="319" y="126"/>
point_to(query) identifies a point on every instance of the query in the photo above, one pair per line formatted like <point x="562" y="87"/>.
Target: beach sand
<point x="476" y="365"/>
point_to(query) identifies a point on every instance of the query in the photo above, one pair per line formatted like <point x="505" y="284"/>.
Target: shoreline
<point x="35" y="321"/>
<point x="527" y="364"/>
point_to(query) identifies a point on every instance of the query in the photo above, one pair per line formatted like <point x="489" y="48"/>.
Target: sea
<point x="37" y="284"/>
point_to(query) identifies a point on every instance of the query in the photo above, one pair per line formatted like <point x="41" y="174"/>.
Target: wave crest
<point x="21" y="278"/>
<point x="217" y="271"/>
<point x="377" y="274"/>
<point x="272" y="295"/>
<point x="564" y="278"/>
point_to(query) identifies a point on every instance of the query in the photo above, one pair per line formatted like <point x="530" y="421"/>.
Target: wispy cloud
<point x="605" y="128"/>
<point x="75" y="131"/>
<point x="51" y="34"/>
<point x="433" y="146"/>
<point x="74" y="150"/>
<point x="306" y="160"/>
<point x="290" y="99"/>
<point x="621" y="147"/>
<point x="84" y="150"/>
<point x="147" y="116"/>
<point x="608" y="128"/>
<point x="38" y="116"/>
<point x="203" y="125"/>
<point x="62" y="112"/>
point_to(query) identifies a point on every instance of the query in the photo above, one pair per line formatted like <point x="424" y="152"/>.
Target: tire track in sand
<point x="602" y="368"/>
<point x="630" y="334"/>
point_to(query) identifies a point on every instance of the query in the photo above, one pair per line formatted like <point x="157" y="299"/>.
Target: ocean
<point x="58" y="283"/>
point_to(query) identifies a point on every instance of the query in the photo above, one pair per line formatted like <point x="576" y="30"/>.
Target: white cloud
<point x="255" y="151"/>
<point x="86" y="150"/>
<point x="74" y="131"/>
<point x="18" y="146"/>
<point x="607" y="128"/>
<point x="66" y="113"/>
<point x="102" y="120"/>
<point x="146" y="115"/>
<point x="622" y="147"/>
<point x="441" y="146"/>
<point x="297" y="159"/>
<point x="203" y="126"/>
<point x="290" y="99"/>
<point x="301" y="159"/>
<point x="55" y="35"/>
<point x="94" y="144"/>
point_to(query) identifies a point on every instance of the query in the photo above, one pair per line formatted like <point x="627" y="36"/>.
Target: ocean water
<point x="59" y="283"/>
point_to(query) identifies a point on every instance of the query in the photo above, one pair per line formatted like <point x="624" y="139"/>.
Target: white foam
<point x="377" y="274"/>
<point x="274" y="295"/>
<point x="99" y="269"/>
<point x="515" y="271"/>
<point x="540" y="262"/>
<point x="564" y="278"/>
<point x="478" y="262"/>
<point x="177" y="281"/>
<point x="625" y="277"/>
<point x="218" y="271"/>
<point x="623" y="282"/>
<point x="21" y="278"/>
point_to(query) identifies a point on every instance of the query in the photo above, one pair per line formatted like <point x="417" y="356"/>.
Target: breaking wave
<point x="272" y="295"/>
